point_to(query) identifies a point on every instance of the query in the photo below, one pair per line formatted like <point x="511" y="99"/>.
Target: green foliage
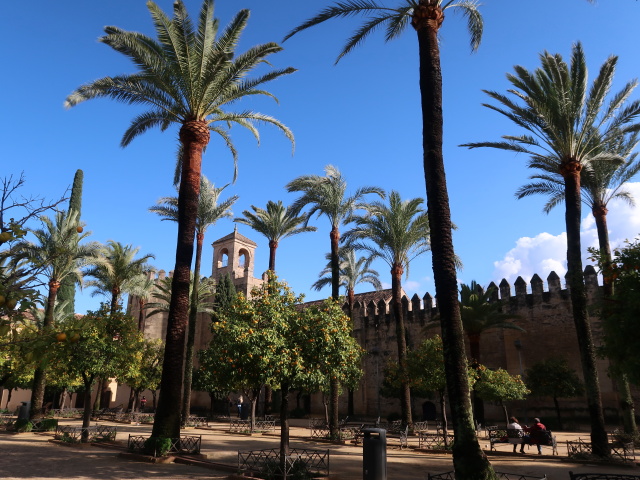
<point x="500" y="386"/>
<point x="270" y="340"/>
<point x="162" y="295"/>
<point x="621" y="327"/>
<point x="425" y="371"/>
<point x="553" y="378"/>
<point x="157" y="446"/>
<point x="225" y="295"/>
<point x="23" y="425"/>
<point x="48" y="424"/>
<point x="145" y="370"/>
<point x="106" y="347"/>
<point x="67" y="291"/>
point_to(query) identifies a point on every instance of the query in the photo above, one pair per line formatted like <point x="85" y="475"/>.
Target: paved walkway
<point x="32" y="456"/>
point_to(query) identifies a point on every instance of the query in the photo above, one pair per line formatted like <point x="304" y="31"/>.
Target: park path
<point x="31" y="456"/>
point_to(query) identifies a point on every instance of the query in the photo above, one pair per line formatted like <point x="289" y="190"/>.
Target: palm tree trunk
<point x="401" y="339"/>
<point x="194" y="136"/>
<point x="575" y="279"/>
<point x="141" y="317"/>
<point x="273" y="246"/>
<point x="39" y="383"/>
<point x="335" y="294"/>
<point x="115" y="296"/>
<point x="469" y="460"/>
<point x="626" y="400"/>
<point x="191" y="337"/>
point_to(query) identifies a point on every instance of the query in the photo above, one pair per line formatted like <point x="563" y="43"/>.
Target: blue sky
<point x="362" y="116"/>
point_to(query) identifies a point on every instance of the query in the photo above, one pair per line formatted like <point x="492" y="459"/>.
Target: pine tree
<point x="67" y="292"/>
<point x="225" y="295"/>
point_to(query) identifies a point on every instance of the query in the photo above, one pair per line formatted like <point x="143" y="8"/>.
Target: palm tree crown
<point x="187" y="74"/>
<point x="276" y="223"/>
<point x="327" y="195"/>
<point x="210" y="208"/>
<point x="352" y="272"/>
<point x="119" y="271"/>
<point x="397" y="233"/>
<point x="395" y="19"/>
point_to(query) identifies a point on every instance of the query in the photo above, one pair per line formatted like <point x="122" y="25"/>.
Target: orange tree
<point x="107" y="346"/>
<point x="500" y="386"/>
<point x="271" y="339"/>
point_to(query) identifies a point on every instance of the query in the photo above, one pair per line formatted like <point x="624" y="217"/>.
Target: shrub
<point x="393" y="416"/>
<point x="297" y="412"/>
<point x="23" y="425"/>
<point x="48" y="424"/>
<point x="157" y="446"/>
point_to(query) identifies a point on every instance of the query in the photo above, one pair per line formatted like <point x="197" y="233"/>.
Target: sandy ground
<point x="32" y="456"/>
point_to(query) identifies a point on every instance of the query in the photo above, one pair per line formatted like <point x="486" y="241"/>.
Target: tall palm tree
<point x="426" y="18"/>
<point x="188" y="77"/>
<point x="480" y="314"/>
<point x="276" y="223"/>
<point x="210" y="210"/>
<point x="568" y="122"/>
<point x="58" y="254"/>
<point x="396" y="233"/>
<point x="328" y="196"/>
<point x="118" y="272"/>
<point x="601" y="181"/>
<point x="352" y="273"/>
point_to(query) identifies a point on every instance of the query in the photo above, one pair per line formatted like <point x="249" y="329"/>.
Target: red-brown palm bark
<point x="469" y="460"/>
<point x="194" y="136"/>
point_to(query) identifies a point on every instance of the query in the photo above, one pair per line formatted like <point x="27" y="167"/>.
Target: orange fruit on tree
<point x="61" y="337"/>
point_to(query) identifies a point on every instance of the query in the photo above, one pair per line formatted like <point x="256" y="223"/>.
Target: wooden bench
<point x="496" y="435"/>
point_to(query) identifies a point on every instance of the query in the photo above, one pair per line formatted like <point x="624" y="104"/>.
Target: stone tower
<point x="234" y="254"/>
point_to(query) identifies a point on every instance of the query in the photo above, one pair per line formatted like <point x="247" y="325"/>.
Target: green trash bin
<point x="374" y="454"/>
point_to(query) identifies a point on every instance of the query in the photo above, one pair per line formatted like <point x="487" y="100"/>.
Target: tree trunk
<point x="557" y="405"/>
<point x="335" y="294"/>
<point x="401" y="339"/>
<point x="445" y="426"/>
<point x="626" y="400"/>
<point x="474" y="350"/>
<point x="284" y="423"/>
<point x="39" y="380"/>
<point x="351" y="296"/>
<point x="141" y="316"/>
<point x="194" y="136"/>
<point x="570" y="171"/>
<point x="273" y="246"/>
<point x="469" y="460"/>
<point x="191" y="337"/>
<point x="86" y="414"/>
<point x="115" y="296"/>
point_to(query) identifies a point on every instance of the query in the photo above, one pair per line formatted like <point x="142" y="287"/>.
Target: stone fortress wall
<point x="545" y="315"/>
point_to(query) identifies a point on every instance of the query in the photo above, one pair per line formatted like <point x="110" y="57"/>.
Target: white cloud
<point x="545" y="252"/>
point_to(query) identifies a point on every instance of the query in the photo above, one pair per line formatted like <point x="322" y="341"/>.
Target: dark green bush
<point x="23" y="425"/>
<point x="48" y="424"/>
<point x="157" y="446"/>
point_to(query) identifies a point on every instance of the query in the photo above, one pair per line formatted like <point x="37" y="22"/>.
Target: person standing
<point x="143" y="402"/>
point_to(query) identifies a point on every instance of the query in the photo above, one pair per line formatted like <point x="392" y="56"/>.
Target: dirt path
<point x="33" y="456"/>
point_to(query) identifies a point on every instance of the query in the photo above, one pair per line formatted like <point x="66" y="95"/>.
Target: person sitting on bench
<point x="535" y="436"/>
